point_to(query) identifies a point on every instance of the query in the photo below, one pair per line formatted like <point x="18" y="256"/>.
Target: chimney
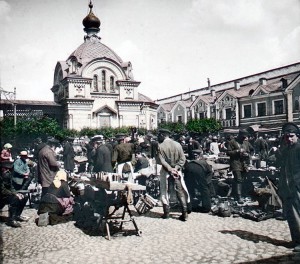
<point x="213" y="92"/>
<point x="193" y="97"/>
<point x="284" y="83"/>
<point x="208" y="83"/>
<point x="237" y="85"/>
<point x="262" y="81"/>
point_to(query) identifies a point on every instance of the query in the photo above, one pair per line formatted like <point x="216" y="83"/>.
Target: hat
<point x="243" y="132"/>
<point x="23" y="153"/>
<point x="164" y="131"/>
<point x="7" y="146"/>
<point x="290" y="128"/>
<point x="214" y="138"/>
<point x="52" y="140"/>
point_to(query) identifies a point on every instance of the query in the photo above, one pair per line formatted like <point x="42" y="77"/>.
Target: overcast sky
<point x="173" y="45"/>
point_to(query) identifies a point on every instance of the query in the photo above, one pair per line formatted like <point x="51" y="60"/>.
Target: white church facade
<point x="96" y="88"/>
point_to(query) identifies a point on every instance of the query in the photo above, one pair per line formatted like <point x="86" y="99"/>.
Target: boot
<point x="12" y="217"/>
<point x="166" y="209"/>
<point x="184" y="216"/>
<point x="182" y="200"/>
<point x="239" y="193"/>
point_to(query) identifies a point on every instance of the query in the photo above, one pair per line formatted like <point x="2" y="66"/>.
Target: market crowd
<point x="186" y="168"/>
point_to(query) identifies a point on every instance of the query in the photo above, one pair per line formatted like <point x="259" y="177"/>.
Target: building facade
<point x="267" y="99"/>
<point x="96" y="88"/>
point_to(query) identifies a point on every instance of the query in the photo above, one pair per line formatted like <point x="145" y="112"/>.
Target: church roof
<point x="94" y="49"/>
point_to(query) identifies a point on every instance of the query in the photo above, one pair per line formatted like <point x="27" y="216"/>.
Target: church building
<point x="96" y="88"/>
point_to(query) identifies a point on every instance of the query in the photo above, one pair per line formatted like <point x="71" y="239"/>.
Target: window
<point x="201" y="115"/>
<point x="103" y="81"/>
<point x="228" y="113"/>
<point x="247" y="111"/>
<point x="261" y="109"/>
<point x="112" y="83"/>
<point x="95" y="83"/>
<point x="296" y="105"/>
<point x="179" y="119"/>
<point x="73" y="66"/>
<point x="278" y="107"/>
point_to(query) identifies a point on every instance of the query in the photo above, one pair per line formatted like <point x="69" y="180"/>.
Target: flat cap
<point x="290" y="128"/>
<point x="52" y="140"/>
<point x="23" y="153"/>
<point x="243" y="132"/>
<point x="164" y="131"/>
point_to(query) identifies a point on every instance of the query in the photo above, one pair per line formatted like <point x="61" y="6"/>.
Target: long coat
<point x="47" y="165"/>
<point x="233" y="151"/>
<point x="68" y="156"/>
<point x="103" y="159"/>
<point x="289" y="187"/>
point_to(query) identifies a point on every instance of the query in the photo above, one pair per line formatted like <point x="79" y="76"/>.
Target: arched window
<point x="103" y="81"/>
<point x="95" y="83"/>
<point x="112" y="83"/>
<point x="296" y="105"/>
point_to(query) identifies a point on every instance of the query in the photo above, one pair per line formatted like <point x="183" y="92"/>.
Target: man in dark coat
<point x="102" y="158"/>
<point x="289" y="183"/>
<point x="238" y="157"/>
<point x="16" y="202"/>
<point x="123" y="154"/>
<point x="47" y="163"/>
<point x="68" y="155"/>
<point x="198" y="178"/>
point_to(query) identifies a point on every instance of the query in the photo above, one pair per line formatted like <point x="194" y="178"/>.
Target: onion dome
<point x="91" y="23"/>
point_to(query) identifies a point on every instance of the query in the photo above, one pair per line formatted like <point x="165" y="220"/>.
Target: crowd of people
<point x="184" y="169"/>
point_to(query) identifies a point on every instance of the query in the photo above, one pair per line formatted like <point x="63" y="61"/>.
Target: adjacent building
<point x="266" y="99"/>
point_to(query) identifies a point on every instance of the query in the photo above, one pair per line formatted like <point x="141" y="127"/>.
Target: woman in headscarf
<point x="58" y="202"/>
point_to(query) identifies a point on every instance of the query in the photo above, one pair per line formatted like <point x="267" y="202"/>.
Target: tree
<point x="207" y="125"/>
<point x="176" y="127"/>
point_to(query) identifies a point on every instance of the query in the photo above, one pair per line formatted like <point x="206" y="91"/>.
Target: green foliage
<point x="176" y="127"/>
<point x="207" y="125"/>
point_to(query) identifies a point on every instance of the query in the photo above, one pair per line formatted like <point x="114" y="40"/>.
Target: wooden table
<point x="124" y="190"/>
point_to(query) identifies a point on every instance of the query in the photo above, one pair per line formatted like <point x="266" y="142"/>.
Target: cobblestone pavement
<point x="203" y="238"/>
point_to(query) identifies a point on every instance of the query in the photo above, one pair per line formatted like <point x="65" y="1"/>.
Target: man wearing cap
<point x="68" y="155"/>
<point x="289" y="182"/>
<point x="172" y="159"/>
<point x="47" y="163"/>
<point x="21" y="171"/>
<point x="214" y="146"/>
<point x="238" y="155"/>
<point x="198" y="177"/>
<point x="123" y="154"/>
<point x="102" y="157"/>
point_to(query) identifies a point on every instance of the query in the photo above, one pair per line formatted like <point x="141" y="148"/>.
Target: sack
<point x="43" y="219"/>
<point x="224" y="209"/>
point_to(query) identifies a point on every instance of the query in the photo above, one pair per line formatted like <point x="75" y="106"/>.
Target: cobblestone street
<point x="202" y="239"/>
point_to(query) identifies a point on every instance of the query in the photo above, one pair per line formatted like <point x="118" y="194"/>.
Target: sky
<point x="173" y="45"/>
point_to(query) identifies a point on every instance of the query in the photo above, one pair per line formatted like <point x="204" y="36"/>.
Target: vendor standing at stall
<point x="238" y="165"/>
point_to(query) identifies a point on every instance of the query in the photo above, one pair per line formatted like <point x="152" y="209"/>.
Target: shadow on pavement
<point x="289" y="258"/>
<point x="257" y="238"/>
